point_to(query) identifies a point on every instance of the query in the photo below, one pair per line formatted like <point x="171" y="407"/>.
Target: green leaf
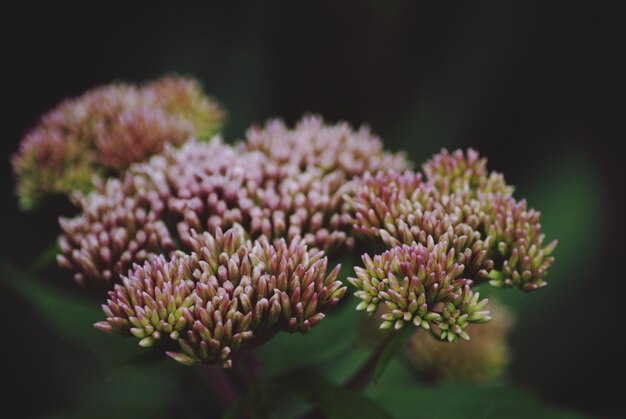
<point x="333" y="337"/>
<point x="572" y="202"/>
<point x="70" y="316"/>
<point x="402" y="396"/>
<point x="46" y="257"/>
<point x="147" y="391"/>
<point x="236" y="408"/>
<point x="335" y="401"/>
<point x="390" y="349"/>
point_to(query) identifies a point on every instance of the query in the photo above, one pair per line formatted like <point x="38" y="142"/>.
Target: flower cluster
<point x="458" y="171"/>
<point x="105" y="130"/>
<point x="128" y="220"/>
<point x="481" y="359"/>
<point x="421" y="285"/>
<point x="495" y="236"/>
<point x="154" y="207"/>
<point x="457" y="227"/>
<point x="206" y="248"/>
<point x="329" y="148"/>
<point x="226" y="292"/>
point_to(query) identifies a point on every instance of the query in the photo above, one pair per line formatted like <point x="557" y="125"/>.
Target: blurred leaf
<point x="341" y="369"/>
<point x="69" y="316"/>
<point x="46" y="257"/>
<point x="236" y="408"/>
<point x="61" y="311"/>
<point x="335" y="401"/>
<point x="402" y="396"/>
<point x="391" y="348"/>
<point x="152" y="391"/>
<point x="570" y="199"/>
<point x="145" y="357"/>
<point x="332" y="337"/>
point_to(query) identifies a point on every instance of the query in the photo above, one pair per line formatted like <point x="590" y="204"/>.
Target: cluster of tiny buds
<point x="422" y="285"/>
<point x="154" y="207"/>
<point x="454" y="228"/>
<point x="312" y="143"/>
<point x="105" y="130"/>
<point x="495" y="236"/>
<point x="227" y="292"/>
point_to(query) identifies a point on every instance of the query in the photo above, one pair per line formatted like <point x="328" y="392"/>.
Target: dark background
<point x="535" y="86"/>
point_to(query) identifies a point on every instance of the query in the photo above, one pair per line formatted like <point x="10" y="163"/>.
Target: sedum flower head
<point x="129" y="220"/>
<point x="458" y="203"/>
<point x="518" y="244"/>
<point x="311" y="164"/>
<point x="202" y="186"/>
<point x="183" y="98"/>
<point x="330" y="148"/>
<point x="463" y="171"/>
<point x="422" y="285"/>
<point x="453" y="228"/>
<point x="305" y="170"/>
<point x="227" y="292"/>
<point x="105" y="130"/>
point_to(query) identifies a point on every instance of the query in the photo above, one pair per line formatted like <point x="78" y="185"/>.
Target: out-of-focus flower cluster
<point x="155" y="206"/>
<point x="455" y="228"/>
<point x="105" y="130"/>
<point x="226" y="292"/>
<point x="482" y="359"/>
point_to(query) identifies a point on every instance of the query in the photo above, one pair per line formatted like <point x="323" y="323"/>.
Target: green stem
<point x="363" y="375"/>
<point x="373" y="367"/>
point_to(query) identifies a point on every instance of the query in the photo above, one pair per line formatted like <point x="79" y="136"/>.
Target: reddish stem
<point x="222" y="385"/>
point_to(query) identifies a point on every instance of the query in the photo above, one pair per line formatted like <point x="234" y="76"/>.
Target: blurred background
<point x="533" y="85"/>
